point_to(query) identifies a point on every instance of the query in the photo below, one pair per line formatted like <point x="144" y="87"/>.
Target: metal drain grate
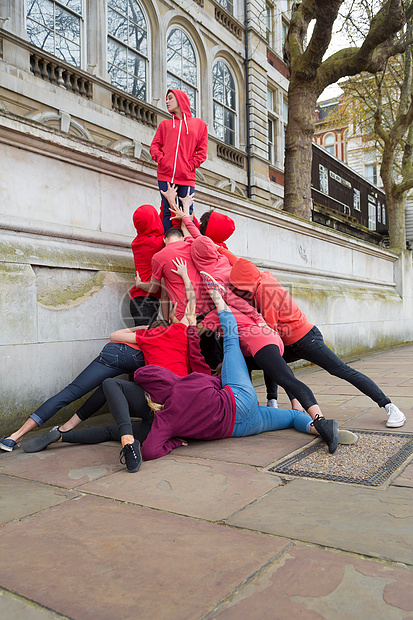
<point x="370" y="461"/>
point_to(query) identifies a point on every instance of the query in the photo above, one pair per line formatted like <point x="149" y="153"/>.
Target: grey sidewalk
<point x="207" y="531"/>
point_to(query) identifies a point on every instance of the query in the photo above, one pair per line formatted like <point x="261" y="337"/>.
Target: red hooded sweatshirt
<point x="180" y="146"/>
<point x="275" y="303"/>
<point x="148" y="241"/>
<point x="219" y="228"/>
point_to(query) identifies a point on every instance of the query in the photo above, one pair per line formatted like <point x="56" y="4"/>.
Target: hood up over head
<point x="205" y="255"/>
<point x="147" y="221"/>
<point x="220" y="227"/>
<point x="245" y="275"/>
<point x="183" y="101"/>
<point x="157" y="381"/>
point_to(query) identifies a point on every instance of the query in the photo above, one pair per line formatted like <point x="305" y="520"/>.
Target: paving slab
<point x="66" y="465"/>
<point x="19" y="498"/>
<point x="373" y="419"/>
<point x="374" y="522"/>
<point x="195" y="487"/>
<point x="258" y="450"/>
<point x="406" y="478"/>
<point x="403" y="402"/>
<point x="15" y="607"/>
<point x="315" y="584"/>
<point x="106" y="560"/>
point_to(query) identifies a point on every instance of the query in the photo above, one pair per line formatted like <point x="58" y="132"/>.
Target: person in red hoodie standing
<point x="179" y="147"/>
<point x="144" y="307"/>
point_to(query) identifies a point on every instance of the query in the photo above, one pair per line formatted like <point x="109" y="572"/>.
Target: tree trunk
<point x="396" y="206"/>
<point x="302" y="99"/>
<point x="395" y="200"/>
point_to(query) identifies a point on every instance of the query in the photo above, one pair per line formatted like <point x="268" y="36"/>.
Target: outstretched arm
<point x="127" y="335"/>
<point x="189" y="317"/>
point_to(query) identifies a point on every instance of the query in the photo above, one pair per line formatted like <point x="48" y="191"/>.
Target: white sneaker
<point x="272" y="402"/>
<point x="395" y="417"/>
<point x="347" y="438"/>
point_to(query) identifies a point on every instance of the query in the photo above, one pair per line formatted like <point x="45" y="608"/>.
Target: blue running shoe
<point x="8" y="444"/>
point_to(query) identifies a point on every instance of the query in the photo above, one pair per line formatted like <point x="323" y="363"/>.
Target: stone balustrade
<point x="229" y="22"/>
<point x="62" y="74"/>
<point x="134" y="108"/>
<point x="231" y="155"/>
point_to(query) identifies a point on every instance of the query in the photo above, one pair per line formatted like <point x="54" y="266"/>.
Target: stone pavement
<point x="207" y="532"/>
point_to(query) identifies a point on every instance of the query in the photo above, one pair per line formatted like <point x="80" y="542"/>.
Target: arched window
<point x="181" y="65"/>
<point x="56" y="27"/>
<point x="329" y="142"/>
<point x="127" y="47"/>
<point x="223" y="92"/>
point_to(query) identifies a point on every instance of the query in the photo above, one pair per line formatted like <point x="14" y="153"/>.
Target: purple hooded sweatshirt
<point x="196" y="406"/>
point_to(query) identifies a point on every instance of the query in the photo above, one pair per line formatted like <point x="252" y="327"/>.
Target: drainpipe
<point x="247" y="100"/>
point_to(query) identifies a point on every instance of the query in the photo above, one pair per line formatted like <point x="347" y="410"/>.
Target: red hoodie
<point x="274" y="302"/>
<point x="180" y="146"/>
<point x="148" y="241"/>
<point x="219" y="228"/>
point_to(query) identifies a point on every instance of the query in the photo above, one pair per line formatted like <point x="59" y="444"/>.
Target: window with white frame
<point x="372" y="216"/>
<point x="271" y="100"/>
<point x="329" y="143"/>
<point x="323" y="176"/>
<point x="285" y="110"/>
<point x="383" y="214"/>
<point x="272" y="140"/>
<point x="56" y="27"/>
<point x="127" y="47"/>
<point x="272" y="125"/>
<point x="284" y="125"/>
<point x="371" y="173"/>
<point x="181" y="65"/>
<point x="284" y="32"/>
<point x="223" y="92"/>
<point x="269" y="24"/>
<point x="356" y="200"/>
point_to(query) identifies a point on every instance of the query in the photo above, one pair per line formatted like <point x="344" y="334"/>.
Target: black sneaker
<point x="40" y="443"/>
<point x="328" y="430"/>
<point x="131" y="455"/>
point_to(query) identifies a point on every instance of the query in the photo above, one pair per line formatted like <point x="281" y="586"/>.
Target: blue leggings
<point x="251" y="418"/>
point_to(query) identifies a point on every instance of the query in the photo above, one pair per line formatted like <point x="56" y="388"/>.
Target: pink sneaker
<point x="211" y="284"/>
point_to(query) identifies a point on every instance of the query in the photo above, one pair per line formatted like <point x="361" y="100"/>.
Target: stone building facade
<point x="82" y="87"/>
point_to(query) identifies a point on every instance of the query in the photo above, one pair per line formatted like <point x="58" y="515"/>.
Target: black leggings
<point x="270" y="383"/>
<point x="270" y="361"/>
<point x="140" y="430"/>
<point x="126" y="399"/>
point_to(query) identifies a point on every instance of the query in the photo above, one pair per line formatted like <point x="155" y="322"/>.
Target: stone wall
<point x="66" y="265"/>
